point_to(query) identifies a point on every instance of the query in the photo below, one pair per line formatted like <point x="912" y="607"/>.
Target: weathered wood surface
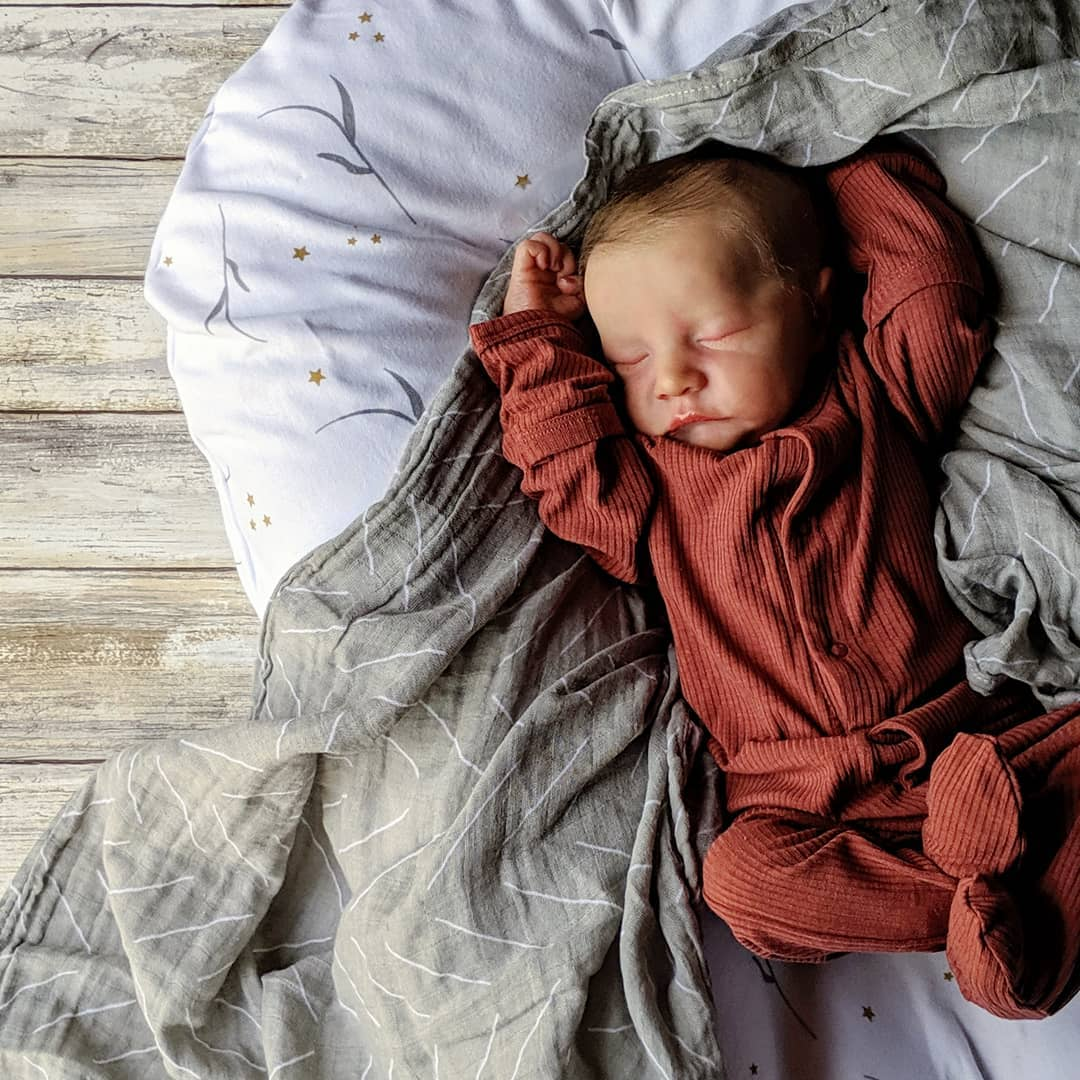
<point x="30" y="797"/>
<point x="106" y="489"/>
<point x="121" y="615"/>
<point x="80" y="218"/>
<point x="117" y="81"/>
<point x="81" y="345"/>
<point x="91" y="662"/>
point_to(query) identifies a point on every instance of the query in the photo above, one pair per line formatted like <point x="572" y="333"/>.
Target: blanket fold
<point x="460" y="832"/>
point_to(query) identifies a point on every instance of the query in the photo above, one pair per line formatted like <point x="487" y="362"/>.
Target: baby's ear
<point x="822" y="297"/>
<point x="823" y="286"/>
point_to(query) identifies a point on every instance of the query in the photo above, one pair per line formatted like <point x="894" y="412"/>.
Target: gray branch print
<point x="347" y="126"/>
<point x="228" y="265"/>
<point x="416" y="404"/>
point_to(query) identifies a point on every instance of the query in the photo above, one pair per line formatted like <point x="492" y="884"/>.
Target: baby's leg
<point x="797" y="886"/>
<point x="1003" y="817"/>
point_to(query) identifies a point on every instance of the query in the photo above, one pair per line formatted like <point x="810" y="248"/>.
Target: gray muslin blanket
<point x="459" y="833"/>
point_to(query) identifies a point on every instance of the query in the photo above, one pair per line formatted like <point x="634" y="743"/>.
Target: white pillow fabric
<point x="344" y="198"/>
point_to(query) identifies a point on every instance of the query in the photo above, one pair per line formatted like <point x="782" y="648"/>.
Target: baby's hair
<point x="766" y="203"/>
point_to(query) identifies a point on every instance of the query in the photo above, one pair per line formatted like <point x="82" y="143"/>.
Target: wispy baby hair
<point x="768" y="204"/>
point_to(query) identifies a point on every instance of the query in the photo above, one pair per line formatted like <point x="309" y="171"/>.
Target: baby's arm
<point x="924" y="309"/>
<point x="561" y="429"/>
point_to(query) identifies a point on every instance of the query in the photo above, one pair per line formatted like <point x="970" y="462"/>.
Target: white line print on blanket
<point x="431" y="971"/>
<point x="489" y="937"/>
<point x="587" y="901"/>
<point x="487" y="1051"/>
<point x="952" y="40"/>
<point x="374" y="832"/>
<point x="326" y="861"/>
<point x="233" y="844"/>
<point x="997" y="70"/>
<point x="219" y="1050"/>
<point x="997" y="127"/>
<point x="974" y="511"/>
<point x="126" y="1004"/>
<point x="547" y="791"/>
<point x="468" y="825"/>
<point x="1015" y="183"/>
<point x="359" y="996"/>
<point x="183" y="806"/>
<point x="141" y="888"/>
<point x="393" y="866"/>
<point x="532" y="1030"/>
<point x="385" y="990"/>
<point x="1064" y="450"/>
<point x="1053" y="287"/>
<point x="859" y="80"/>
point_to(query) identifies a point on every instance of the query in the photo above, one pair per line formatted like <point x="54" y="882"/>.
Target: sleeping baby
<point x="772" y="469"/>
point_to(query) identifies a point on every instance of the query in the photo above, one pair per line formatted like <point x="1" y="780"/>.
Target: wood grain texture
<point x="91" y="662"/>
<point x="30" y="797"/>
<point x="81" y="345"/>
<point x="121" y="615"/>
<point x="80" y="218"/>
<point x="117" y="81"/>
<point x="106" y="489"/>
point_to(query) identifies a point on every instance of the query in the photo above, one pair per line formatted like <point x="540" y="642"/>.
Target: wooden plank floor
<point x="121" y="615"/>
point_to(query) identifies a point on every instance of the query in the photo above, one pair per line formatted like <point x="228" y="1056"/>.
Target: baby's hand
<point x="543" y="278"/>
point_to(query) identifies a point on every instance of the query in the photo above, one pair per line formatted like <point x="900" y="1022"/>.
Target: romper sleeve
<point x="924" y="307"/>
<point x="561" y="428"/>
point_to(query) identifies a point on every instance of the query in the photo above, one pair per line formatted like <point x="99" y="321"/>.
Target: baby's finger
<point x="551" y="248"/>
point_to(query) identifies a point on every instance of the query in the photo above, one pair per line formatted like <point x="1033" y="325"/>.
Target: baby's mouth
<point x="691" y="418"/>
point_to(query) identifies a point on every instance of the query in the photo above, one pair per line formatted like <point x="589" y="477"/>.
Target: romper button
<point x="838" y="649"/>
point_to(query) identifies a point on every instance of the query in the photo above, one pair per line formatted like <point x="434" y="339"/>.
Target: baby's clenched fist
<point x="543" y="278"/>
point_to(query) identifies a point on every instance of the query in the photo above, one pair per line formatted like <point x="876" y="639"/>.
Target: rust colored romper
<point x="876" y="802"/>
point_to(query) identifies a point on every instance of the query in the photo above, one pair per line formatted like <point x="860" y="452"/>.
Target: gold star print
<point x="523" y="181"/>
<point x="316" y="376"/>
<point x="251" y="499"/>
<point x="380" y="37"/>
<point x="376" y="238"/>
<point x="353" y="36"/>
<point x="266" y="519"/>
<point x="868" y="1013"/>
<point x="253" y="523"/>
<point x="300" y="253"/>
<point x="948" y="976"/>
<point x="352" y="241"/>
<point x="168" y="260"/>
<point x="365" y="17"/>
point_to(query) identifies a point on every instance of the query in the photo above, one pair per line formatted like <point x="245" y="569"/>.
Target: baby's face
<point x="709" y="351"/>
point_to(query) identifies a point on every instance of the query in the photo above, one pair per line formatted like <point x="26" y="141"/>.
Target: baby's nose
<point x="676" y="377"/>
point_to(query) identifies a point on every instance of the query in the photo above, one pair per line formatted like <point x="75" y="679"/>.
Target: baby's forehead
<point x="719" y="252"/>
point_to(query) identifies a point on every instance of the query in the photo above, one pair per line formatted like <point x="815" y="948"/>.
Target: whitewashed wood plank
<point x="106" y="489"/>
<point x="118" y="81"/>
<point x="81" y="218"/>
<point x="81" y="345"/>
<point x="30" y="797"/>
<point x="91" y="662"/>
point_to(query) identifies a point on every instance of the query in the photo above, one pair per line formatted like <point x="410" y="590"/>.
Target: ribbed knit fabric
<point x="815" y="639"/>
